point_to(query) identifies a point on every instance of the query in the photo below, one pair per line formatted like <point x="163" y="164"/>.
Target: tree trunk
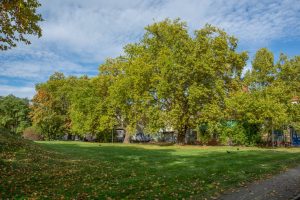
<point x="127" y="138"/>
<point x="181" y="135"/>
<point x="272" y="137"/>
<point x="291" y="136"/>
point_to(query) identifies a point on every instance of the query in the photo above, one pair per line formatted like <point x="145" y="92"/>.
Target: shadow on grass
<point x="84" y="170"/>
<point x="207" y="164"/>
<point x="169" y="158"/>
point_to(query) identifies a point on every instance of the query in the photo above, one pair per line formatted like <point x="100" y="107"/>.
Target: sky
<point x="79" y="35"/>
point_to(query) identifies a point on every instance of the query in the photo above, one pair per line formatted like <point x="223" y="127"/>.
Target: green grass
<point x="115" y="171"/>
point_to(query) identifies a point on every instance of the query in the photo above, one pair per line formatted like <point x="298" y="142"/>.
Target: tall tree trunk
<point x="181" y="135"/>
<point x="272" y="136"/>
<point x="127" y="138"/>
<point x="290" y="135"/>
<point x="180" y="138"/>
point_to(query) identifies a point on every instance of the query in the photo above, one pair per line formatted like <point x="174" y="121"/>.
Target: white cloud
<point x="38" y="65"/>
<point x="78" y="35"/>
<point x="23" y="92"/>
<point x="99" y="29"/>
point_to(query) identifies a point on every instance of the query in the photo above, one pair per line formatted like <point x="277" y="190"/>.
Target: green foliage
<point x="289" y="70"/>
<point x="233" y="133"/>
<point x="49" y="111"/>
<point x="266" y="103"/>
<point x="18" y="18"/>
<point x="171" y="79"/>
<point x="263" y="68"/>
<point x="88" y="106"/>
<point x="289" y="79"/>
<point x="70" y="105"/>
<point x="14" y="113"/>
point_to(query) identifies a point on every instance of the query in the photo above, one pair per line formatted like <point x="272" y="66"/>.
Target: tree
<point x="14" y="114"/>
<point x="18" y="18"/>
<point x="258" y="112"/>
<point x="88" y="113"/>
<point x="170" y="79"/>
<point x="50" y="106"/>
<point x="123" y="100"/>
<point x="192" y="75"/>
<point x="289" y="70"/>
<point x="263" y="69"/>
<point x="289" y="79"/>
<point x="263" y="105"/>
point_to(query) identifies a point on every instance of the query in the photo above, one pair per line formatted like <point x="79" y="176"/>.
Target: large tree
<point x="171" y="79"/>
<point x="18" y="18"/>
<point x="128" y="87"/>
<point x="88" y="106"/>
<point x="50" y="105"/>
<point x="192" y="75"/>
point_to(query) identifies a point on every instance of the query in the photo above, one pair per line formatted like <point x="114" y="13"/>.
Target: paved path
<point x="283" y="186"/>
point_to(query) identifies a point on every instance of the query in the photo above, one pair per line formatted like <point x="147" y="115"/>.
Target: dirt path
<point x="283" y="186"/>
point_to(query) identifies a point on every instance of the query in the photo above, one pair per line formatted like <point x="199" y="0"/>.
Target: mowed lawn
<point x="82" y="170"/>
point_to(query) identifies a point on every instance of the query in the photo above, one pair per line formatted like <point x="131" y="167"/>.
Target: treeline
<point x="14" y="114"/>
<point x="173" y="80"/>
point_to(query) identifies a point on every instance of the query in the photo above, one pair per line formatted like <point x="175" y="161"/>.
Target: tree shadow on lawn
<point x="166" y="171"/>
<point x="136" y="172"/>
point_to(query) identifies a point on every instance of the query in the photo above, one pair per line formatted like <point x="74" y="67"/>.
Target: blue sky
<point x="79" y="35"/>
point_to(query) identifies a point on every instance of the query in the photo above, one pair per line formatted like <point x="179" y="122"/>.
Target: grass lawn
<point x="115" y="171"/>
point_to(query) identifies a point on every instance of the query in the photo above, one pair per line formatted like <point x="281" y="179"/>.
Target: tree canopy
<point x="18" y="18"/>
<point x="14" y="114"/>
<point x="173" y="80"/>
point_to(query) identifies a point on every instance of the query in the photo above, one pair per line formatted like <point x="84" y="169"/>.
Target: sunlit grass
<point x="92" y="170"/>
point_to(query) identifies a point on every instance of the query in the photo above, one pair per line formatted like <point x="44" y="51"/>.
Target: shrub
<point x="31" y="133"/>
<point x="234" y="134"/>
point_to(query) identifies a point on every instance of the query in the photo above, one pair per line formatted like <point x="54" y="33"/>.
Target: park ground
<point x="64" y="170"/>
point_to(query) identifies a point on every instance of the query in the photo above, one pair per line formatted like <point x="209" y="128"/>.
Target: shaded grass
<point x="91" y="170"/>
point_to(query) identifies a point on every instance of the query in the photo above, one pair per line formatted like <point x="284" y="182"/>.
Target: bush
<point x="31" y="133"/>
<point x="234" y="134"/>
<point x="105" y="136"/>
<point x="209" y="133"/>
